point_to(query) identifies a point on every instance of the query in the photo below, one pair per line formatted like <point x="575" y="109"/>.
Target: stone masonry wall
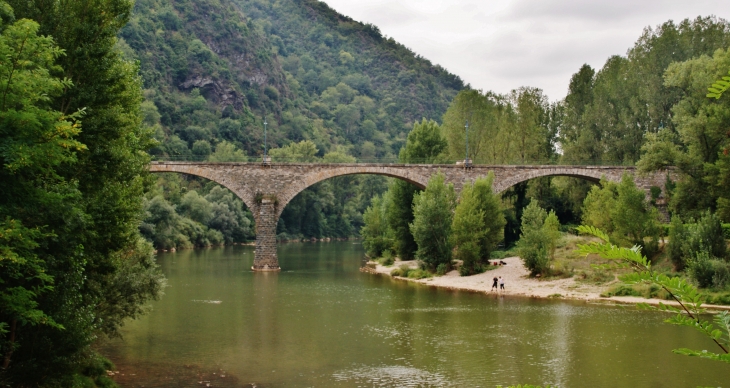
<point x="267" y="189"/>
<point x="265" y="258"/>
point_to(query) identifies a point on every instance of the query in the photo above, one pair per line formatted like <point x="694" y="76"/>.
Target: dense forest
<point x="650" y="108"/>
<point x="329" y="88"/>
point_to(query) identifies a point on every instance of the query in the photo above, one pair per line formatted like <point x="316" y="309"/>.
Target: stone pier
<point x="267" y="188"/>
<point x="265" y="258"/>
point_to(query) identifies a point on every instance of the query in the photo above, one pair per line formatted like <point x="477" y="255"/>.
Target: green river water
<point x="322" y="323"/>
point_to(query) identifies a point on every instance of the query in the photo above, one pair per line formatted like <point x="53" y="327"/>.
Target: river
<point x="322" y="323"/>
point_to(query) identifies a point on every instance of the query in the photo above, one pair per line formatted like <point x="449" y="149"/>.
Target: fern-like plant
<point x="689" y="298"/>
<point x="719" y="87"/>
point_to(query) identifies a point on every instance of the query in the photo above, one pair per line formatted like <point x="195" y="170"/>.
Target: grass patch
<point x="638" y="290"/>
<point x="722" y="298"/>
<point x="555" y="296"/>
<point x="411" y="273"/>
<point x="501" y="254"/>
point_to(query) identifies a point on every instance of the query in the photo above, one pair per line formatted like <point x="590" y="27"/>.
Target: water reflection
<point x="323" y="323"/>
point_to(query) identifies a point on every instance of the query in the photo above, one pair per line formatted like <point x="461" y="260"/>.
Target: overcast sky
<point x="501" y="45"/>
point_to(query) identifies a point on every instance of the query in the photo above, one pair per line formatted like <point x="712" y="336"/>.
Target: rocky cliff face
<point x="206" y="45"/>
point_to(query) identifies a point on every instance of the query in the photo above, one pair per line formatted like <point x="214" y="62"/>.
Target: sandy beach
<point x="517" y="283"/>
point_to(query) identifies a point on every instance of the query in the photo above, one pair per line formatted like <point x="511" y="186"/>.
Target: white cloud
<point x="501" y="44"/>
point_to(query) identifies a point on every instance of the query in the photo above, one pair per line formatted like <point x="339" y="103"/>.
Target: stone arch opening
<point x="300" y="214"/>
<point x="340" y="170"/>
<point x="207" y="217"/>
<point x="209" y="174"/>
<point x="593" y="176"/>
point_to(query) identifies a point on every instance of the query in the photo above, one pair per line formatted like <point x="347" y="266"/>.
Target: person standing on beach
<point x="501" y="283"/>
<point x="494" y="284"/>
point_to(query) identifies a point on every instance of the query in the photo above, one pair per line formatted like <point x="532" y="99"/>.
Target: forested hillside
<point x="330" y="88"/>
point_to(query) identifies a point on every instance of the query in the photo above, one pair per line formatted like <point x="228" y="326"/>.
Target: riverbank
<point x="518" y="283"/>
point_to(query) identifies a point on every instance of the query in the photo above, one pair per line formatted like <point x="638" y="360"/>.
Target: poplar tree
<point x="423" y="145"/>
<point x="102" y="272"/>
<point x="431" y="227"/>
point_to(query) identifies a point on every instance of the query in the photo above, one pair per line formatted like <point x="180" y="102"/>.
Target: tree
<point x="491" y="119"/>
<point x="600" y="198"/>
<point x="95" y="224"/>
<point x="540" y="232"/>
<point x="377" y="236"/>
<point x="433" y="214"/>
<point x="530" y="135"/>
<point x="468" y="231"/>
<point x="622" y="210"/>
<point x="630" y="99"/>
<point x="423" y="145"/>
<point x="551" y="227"/>
<point x="227" y="152"/>
<point x="634" y="220"/>
<point x="490" y="205"/>
<point x="35" y="140"/>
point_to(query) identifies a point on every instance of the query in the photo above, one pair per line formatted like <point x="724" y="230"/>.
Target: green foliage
<point x="718" y="88"/>
<point x="515" y="128"/>
<point x="176" y="220"/>
<point x="493" y="214"/>
<point x="433" y="214"/>
<point x="677" y="242"/>
<point x="551" y="227"/>
<point x="622" y="211"/>
<point x="387" y="259"/>
<point x="540" y="232"/>
<point x="377" y="236"/>
<point x="634" y="220"/>
<point x="478" y="225"/>
<point x="424" y="144"/>
<point x="708" y="271"/>
<point x="689" y="298"/>
<point x="35" y="140"/>
<point x="78" y="193"/>
<point x="699" y="145"/>
<point x="704" y="237"/>
<point x="226" y="152"/>
<point x="411" y="273"/>
<point x="468" y="230"/>
<point x="400" y="215"/>
<point x="611" y="113"/>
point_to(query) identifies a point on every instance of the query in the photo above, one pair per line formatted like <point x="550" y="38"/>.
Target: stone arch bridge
<point x="267" y="188"/>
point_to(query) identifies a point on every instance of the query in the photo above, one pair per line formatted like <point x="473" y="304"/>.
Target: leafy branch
<point x="688" y="297"/>
<point x="719" y="87"/>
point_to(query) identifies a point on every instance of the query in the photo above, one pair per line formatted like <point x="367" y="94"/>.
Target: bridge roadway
<point x="267" y="188"/>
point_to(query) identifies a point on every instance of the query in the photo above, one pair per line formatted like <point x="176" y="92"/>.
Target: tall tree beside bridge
<point x="424" y="145"/>
<point x="102" y="271"/>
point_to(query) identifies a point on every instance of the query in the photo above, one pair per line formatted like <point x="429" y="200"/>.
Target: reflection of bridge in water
<point x="267" y="188"/>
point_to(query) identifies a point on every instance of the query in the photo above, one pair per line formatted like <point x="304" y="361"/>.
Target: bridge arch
<point x="210" y="174"/>
<point x="591" y="175"/>
<point x="338" y="170"/>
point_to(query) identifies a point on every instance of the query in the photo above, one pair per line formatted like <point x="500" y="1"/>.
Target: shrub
<point x="677" y="236"/>
<point x="708" y="271"/>
<point x="539" y="234"/>
<point x="387" y="259"/>
<point x="442" y="269"/>
<point x="418" y="274"/>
